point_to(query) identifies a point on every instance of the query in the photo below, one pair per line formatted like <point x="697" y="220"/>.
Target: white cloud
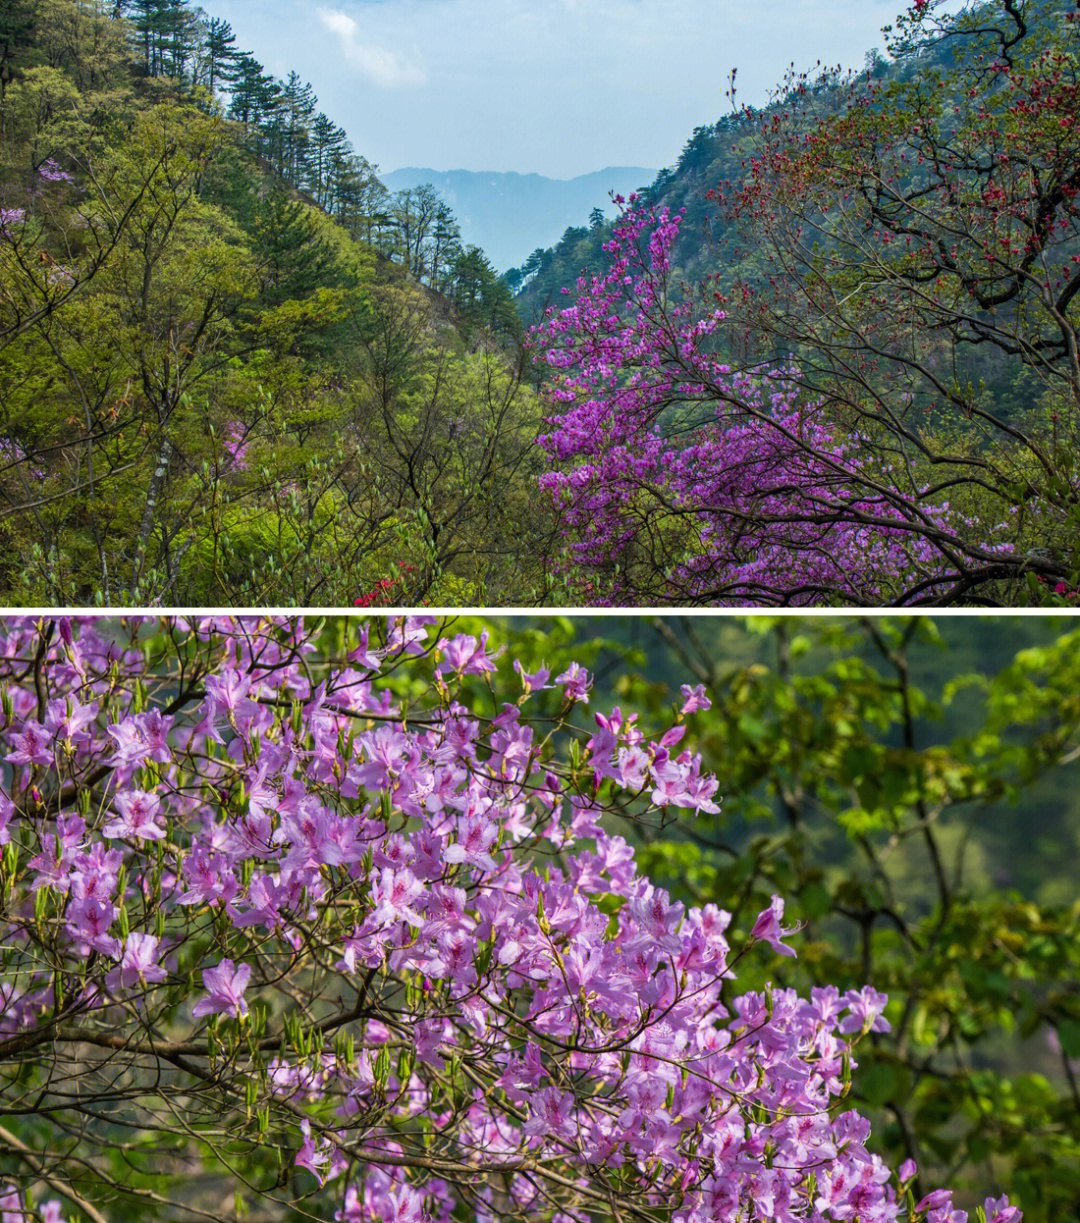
<point x="379" y="65"/>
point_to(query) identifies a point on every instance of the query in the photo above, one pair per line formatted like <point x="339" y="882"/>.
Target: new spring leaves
<point x="360" y="921"/>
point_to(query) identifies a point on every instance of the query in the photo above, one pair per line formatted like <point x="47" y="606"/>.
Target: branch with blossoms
<point x="921" y="232"/>
<point x="355" y="934"/>
<point x="812" y="423"/>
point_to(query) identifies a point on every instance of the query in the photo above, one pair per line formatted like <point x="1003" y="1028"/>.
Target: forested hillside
<point x="832" y="354"/>
<point x="717" y="158"/>
<point x="832" y="357"/>
<point x="233" y="367"/>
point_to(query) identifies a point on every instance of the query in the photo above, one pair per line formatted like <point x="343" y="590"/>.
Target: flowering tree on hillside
<point x="679" y="479"/>
<point x="352" y="933"/>
<point x="873" y="396"/>
<point x="921" y="231"/>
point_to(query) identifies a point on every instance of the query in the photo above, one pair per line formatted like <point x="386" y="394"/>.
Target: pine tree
<point x="360" y="200"/>
<point x="145" y="17"/>
<point x="221" y="57"/>
<point x="445" y="244"/>
<point x="481" y="295"/>
<point x="293" y="258"/>
<point x="179" y="39"/>
<point x="298" y="105"/>
<point x="268" y="117"/>
<point x="328" y="146"/>
<point x="255" y="98"/>
<point x="245" y="89"/>
<point x="166" y="35"/>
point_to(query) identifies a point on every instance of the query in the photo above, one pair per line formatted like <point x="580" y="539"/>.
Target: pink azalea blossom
<point x="139" y="817"/>
<point x="225" y="983"/>
<point x="474" y="843"/>
<point x="768" y="929"/>
<point x="33" y="745"/>
<point x="138" y="963"/>
<point x="575" y="683"/>
<point x="694" y="699"/>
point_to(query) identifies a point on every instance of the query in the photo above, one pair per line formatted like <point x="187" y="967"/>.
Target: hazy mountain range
<point x="510" y="215"/>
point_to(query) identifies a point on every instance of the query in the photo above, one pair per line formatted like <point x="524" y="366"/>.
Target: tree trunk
<point x="153" y="493"/>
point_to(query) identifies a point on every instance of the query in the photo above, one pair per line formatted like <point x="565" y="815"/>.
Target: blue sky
<point x="560" y="87"/>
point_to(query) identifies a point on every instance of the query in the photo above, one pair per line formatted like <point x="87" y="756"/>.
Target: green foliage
<point x="212" y="386"/>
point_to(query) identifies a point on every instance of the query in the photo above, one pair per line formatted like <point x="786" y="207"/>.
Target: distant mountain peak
<point x="427" y="175"/>
<point x="510" y="214"/>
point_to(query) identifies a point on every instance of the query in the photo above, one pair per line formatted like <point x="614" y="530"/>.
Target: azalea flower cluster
<point x="52" y="172"/>
<point x="677" y="479"/>
<point x="235" y="446"/>
<point x="368" y="906"/>
<point x="389" y="591"/>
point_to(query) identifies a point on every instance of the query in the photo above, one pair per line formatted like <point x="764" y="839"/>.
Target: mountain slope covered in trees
<point x="844" y="322"/>
<point x="716" y="158"/>
<point x="832" y="358"/>
<point x="233" y="367"/>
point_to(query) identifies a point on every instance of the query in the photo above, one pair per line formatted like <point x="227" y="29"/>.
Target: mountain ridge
<point x="510" y="214"/>
<point x="529" y="174"/>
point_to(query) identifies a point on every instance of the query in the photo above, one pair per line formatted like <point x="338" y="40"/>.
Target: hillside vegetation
<point x="831" y="358"/>
<point x="507" y="214"/>
<point x="233" y="368"/>
<point x="832" y="354"/>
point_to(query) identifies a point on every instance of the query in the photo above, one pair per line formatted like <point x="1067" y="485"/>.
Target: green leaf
<point x="816" y="900"/>
<point x="878" y="1083"/>
<point x="1069" y="1035"/>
